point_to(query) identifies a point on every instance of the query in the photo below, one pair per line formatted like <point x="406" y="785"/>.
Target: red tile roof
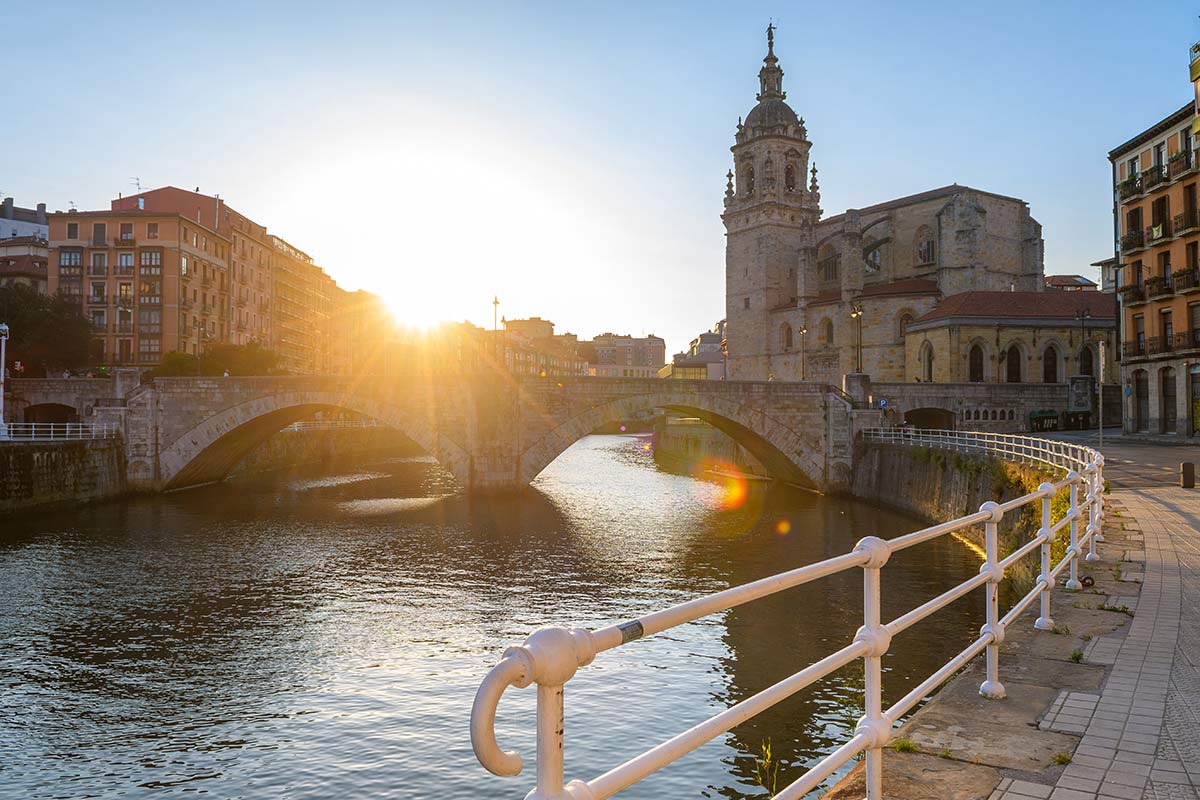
<point x="1069" y="281"/>
<point x="1024" y="304"/>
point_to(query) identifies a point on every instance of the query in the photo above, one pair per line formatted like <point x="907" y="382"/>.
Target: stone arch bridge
<point x="491" y="434"/>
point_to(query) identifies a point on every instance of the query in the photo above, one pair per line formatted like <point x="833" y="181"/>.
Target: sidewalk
<point x="1141" y="732"/>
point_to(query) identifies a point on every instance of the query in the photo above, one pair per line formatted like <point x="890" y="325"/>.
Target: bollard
<point x="1187" y="474"/>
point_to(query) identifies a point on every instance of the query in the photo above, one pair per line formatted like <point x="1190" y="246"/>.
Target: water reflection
<point x="323" y="631"/>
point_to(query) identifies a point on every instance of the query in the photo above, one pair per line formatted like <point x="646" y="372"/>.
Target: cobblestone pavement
<point x="1141" y="734"/>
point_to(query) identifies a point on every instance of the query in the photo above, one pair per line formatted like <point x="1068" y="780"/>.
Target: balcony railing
<point x="1133" y="349"/>
<point x="53" y="431"/>
<point x="1158" y="232"/>
<point x="97" y="299"/>
<point x="1186" y="280"/>
<point x="1180" y="164"/>
<point x="1134" y="240"/>
<point x="1158" y="286"/>
<point x="1133" y="294"/>
<point x="1156" y="345"/>
<point x="98" y="270"/>
<point x="99" y="327"/>
<point x="551" y="656"/>
<point x="1130" y="187"/>
<point x="124" y="240"/>
<point x="98" y="241"/>
<point x="1153" y="177"/>
<point x="124" y="328"/>
<point x="124" y="270"/>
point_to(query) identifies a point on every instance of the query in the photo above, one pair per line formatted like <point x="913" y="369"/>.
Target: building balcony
<point x="124" y="240"/>
<point x="1128" y="188"/>
<point x="97" y="241"/>
<point x="1186" y="281"/>
<point x="99" y="327"/>
<point x="1156" y="233"/>
<point x="1181" y="164"/>
<point x="123" y="328"/>
<point x="206" y="281"/>
<point x="1157" y="345"/>
<point x="1134" y="240"/>
<point x="1154" y="178"/>
<point x="241" y="302"/>
<point x="97" y="271"/>
<point x="1132" y="295"/>
<point x="124" y="270"/>
<point x="1159" y="286"/>
<point x="97" y="299"/>
<point x="1185" y="222"/>
<point x="185" y="303"/>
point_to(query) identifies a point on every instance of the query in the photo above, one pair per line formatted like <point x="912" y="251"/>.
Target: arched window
<point x="975" y="364"/>
<point x="789" y="178"/>
<point x="1086" y="366"/>
<point x="785" y="336"/>
<point x="923" y="245"/>
<point x="1050" y="365"/>
<point x="993" y="415"/>
<point x="749" y="180"/>
<point x="977" y="413"/>
<point x="828" y="261"/>
<point x="874" y="260"/>
<point x="927" y="362"/>
<point x="1141" y="400"/>
<point x="1013" y="359"/>
<point x="906" y="319"/>
<point x="1012" y="415"/>
<point x="826" y="332"/>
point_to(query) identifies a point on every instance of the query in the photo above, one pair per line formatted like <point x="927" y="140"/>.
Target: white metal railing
<point x="53" y="431"/>
<point x="330" y="424"/>
<point x="550" y="656"/>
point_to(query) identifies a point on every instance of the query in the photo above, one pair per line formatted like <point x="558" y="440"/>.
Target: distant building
<point x="1155" y="175"/>
<point x="1012" y="337"/>
<point x="17" y="222"/>
<point x="1109" y="269"/>
<point x="621" y="371"/>
<point x="1070" y="283"/>
<point x="23" y="262"/>
<point x="530" y="347"/>
<point x="645" y="351"/>
<point x="532" y="328"/>
<point x="704" y="359"/>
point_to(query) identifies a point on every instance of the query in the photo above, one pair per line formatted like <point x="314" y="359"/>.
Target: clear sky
<point x="571" y="158"/>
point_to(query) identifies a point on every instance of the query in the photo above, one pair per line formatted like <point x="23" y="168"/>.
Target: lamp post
<point x="856" y="313"/>
<point x="802" y="331"/>
<point x="1083" y="316"/>
<point x="3" y="369"/>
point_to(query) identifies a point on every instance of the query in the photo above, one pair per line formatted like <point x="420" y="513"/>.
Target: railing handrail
<point x="550" y="656"/>
<point x="56" y="431"/>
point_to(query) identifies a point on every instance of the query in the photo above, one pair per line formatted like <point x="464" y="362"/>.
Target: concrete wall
<point x="939" y="485"/>
<point x="290" y="448"/>
<point x="39" y="474"/>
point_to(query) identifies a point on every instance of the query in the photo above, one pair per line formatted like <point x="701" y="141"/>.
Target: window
<point x="829" y="265"/>
<point x="1194" y="323"/>
<point x="126" y="231"/>
<point x="1160" y="154"/>
<point x="874" y="260"/>
<point x="151" y="230"/>
<point x="70" y="258"/>
<point x="125" y="293"/>
<point x="927" y="362"/>
<point x="746" y="303"/>
<point x="786" y="336"/>
<point x="98" y="321"/>
<point x="975" y="364"/>
<point x="789" y="178"/>
<point x="826" y="332"/>
<point x="1013" y="358"/>
<point x="1086" y="365"/>
<point x="72" y="230"/>
<point x="125" y="260"/>
<point x="1167" y="326"/>
<point x="99" y="264"/>
<point x="1050" y="365"/>
<point x="749" y="180"/>
<point x="1132" y="168"/>
<point x="1139" y="327"/>
<point x="98" y="290"/>
<point x="926" y="252"/>
<point x="151" y="262"/>
<point x="99" y="233"/>
<point x="183" y="265"/>
<point x="150" y="320"/>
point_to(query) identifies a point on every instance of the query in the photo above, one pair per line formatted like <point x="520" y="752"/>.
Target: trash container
<point x="1187" y="474"/>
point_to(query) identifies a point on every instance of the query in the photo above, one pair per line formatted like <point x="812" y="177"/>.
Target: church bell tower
<point x="770" y="217"/>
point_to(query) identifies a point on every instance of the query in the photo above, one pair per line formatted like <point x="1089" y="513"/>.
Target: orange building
<point x="1155" y="178"/>
<point x="149" y="282"/>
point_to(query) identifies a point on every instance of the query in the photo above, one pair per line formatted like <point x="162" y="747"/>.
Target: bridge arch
<point x="785" y="452"/>
<point x="210" y="450"/>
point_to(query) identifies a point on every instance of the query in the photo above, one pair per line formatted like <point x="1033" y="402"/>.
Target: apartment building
<point x="1155" y="176"/>
<point x="149" y="282"/>
<point x="23" y="262"/>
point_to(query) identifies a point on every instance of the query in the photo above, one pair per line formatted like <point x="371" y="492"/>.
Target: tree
<point x="236" y="359"/>
<point x="47" y="333"/>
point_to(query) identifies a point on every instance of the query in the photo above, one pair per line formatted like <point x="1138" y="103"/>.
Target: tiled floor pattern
<point x="1141" y="734"/>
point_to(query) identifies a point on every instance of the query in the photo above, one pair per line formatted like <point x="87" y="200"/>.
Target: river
<point x="319" y="633"/>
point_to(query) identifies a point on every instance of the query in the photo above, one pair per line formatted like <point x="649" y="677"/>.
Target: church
<point x="812" y="298"/>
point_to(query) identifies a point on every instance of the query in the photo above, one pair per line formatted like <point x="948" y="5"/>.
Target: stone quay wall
<point x="70" y="473"/>
<point x="691" y="444"/>
<point x="293" y="448"/>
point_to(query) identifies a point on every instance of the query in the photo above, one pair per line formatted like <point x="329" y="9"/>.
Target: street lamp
<point x="3" y="369"/>
<point x="802" y="331"/>
<point x="856" y="313"/>
<point x="1083" y="315"/>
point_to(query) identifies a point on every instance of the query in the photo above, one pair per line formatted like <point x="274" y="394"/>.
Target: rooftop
<point x="921" y="197"/>
<point x="1024" y="305"/>
<point x="1069" y="282"/>
<point x="1154" y="130"/>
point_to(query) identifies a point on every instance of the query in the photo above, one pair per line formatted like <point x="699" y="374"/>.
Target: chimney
<point x="8" y="208"/>
<point x="41" y="213"/>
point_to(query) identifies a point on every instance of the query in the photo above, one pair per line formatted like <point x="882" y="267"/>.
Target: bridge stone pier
<point x="492" y="434"/>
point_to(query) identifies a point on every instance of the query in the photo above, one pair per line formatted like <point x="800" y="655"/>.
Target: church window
<point x="975" y="365"/>
<point x="746" y="301"/>
<point x="1013" y="359"/>
<point x="829" y="267"/>
<point x="749" y="180"/>
<point x="786" y="336"/>
<point x="1050" y="365"/>
<point x="826" y="332"/>
<point x="1086" y="366"/>
<point x="927" y="362"/>
<point x="926" y="252"/>
<point x="789" y="178"/>
<point x="874" y="260"/>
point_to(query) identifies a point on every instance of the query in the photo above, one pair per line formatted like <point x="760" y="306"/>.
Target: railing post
<point x="549" y="742"/>
<point x="877" y="640"/>
<point x="1044" y="621"/>
<point x="1093" y="528"/>
<point x="1073" y="583"/>
<point x="1100" y="497"/>
<point x="992" y="688"/>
